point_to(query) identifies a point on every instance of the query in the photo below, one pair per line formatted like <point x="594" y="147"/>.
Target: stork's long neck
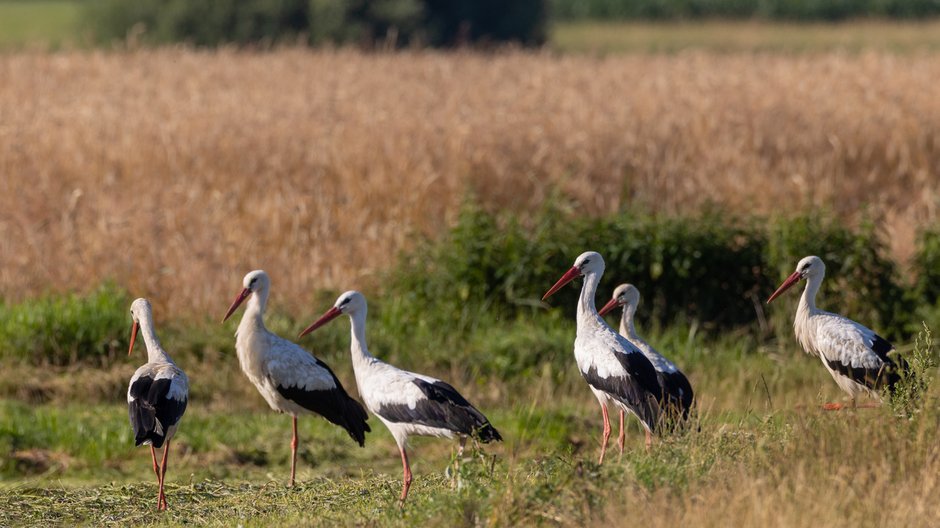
<point x="253" y="318"/>
<point x="358" y="347"/>
<point x="808" y="299"/>
<point x="587" y="311"/>
<point x="155" y="352"/>
<point x="626" y="321"/>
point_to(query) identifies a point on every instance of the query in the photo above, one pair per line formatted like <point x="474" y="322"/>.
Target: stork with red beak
<point x="156" y="396"/>
<point x="677" y="398"/>
<point x="288" y="377"/>
<point x="615" y="369"/>
<point x="407" y="403"/>
<point x="857" y="358"/>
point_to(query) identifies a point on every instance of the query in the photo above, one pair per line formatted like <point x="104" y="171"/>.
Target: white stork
<point x="616" y="370"/>
<point x="407" y="403"/>
<point x="288" y="377"/>
<point x="856" y="357"/>
<point x="677" y="397"/>
<point x="156" y="396"/>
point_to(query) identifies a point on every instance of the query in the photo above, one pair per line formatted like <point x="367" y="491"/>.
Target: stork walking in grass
<point x="407" y="403"/>
<point x="677" y="397"/>
<point x="616" y="370"/>
<point x="857" y="358"/>
<point x="156" y="396"/>
<point x="288" y="377"/>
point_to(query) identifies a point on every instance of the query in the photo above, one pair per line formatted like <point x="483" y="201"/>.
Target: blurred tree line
<point x="369" y="23"/>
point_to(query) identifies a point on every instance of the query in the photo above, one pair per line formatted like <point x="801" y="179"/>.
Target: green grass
<point x="39" y="22"/>
<point x="728" y="36"/>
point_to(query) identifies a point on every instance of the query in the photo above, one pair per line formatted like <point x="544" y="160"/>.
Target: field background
<point x="170" y="172"/>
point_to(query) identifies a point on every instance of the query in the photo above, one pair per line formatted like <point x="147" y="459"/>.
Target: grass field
<point x="736" y="37"/>
<point x="764" y="453"/>
<point x="46" y="23"/>
<point x="174" y="172"/>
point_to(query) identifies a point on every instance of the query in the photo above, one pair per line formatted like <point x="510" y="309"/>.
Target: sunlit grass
<point x="744" y="36"/>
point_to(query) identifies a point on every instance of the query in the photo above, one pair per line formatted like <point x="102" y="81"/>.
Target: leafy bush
<point x="710" y="267"/>
<point x="64" y="329"/>
<point x="366" y="22"/>
<point x="927" y="266"/>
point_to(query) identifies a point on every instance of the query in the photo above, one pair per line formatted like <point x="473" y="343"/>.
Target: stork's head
<point x="140" y="309"/>
<point x="256" y="281"/>
<point x="624" y="295"/>
<point x="811" y="267"/>
<point x="349" y="303"/>
<point x="587" y="262"/>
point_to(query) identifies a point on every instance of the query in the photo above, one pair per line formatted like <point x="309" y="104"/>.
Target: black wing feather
<point x="151" y="413"/>
<point x="677" y="399"/>
<point x="628" y="392"/>
<point x="336" y="405"/>
<point x="444" y="408"/>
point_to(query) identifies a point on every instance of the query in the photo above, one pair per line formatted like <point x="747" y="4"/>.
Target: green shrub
<point x="927" y="266"/>
<point x="63" y="329"/>
<point x="710" y="268"/>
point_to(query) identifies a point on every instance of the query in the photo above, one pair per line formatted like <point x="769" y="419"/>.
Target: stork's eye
<point x="345" y="302"/>
<point x="586" y="261"/>
<point x="252" y="281"/>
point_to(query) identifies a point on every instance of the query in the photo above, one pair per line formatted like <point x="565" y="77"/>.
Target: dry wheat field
<point x="174" y="170"/>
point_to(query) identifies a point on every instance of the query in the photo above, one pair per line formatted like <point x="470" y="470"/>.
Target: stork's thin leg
<point x="293" y="453"/>
<point x="833" y="406"/>
<point x="621" y="437"/>
<point x="649" y="440"/>
<point x="162" y="500"/>
<point x="406" y="477"/>
<point x="156" y="468"/>
<point x="606" y="436"/>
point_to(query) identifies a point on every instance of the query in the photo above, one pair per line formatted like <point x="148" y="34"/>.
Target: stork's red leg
<point x="162" y="499"/>
<point x="606" y="436"/>
<point x="620" y="438"/>
<point x="156" y="468"/>
<point x="293" y="454"/>
<point x="833" y="406"/>
<point x="406" y="478"/>
<point x="649" y="441"/>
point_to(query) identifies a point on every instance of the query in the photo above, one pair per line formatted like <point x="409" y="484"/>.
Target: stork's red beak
<point x="238" y="300"/>
<point x="569" y="276"/>
<point x="134" y="326"/>
<point x="611" y="304"/>
<point x="330" y="314"/>
<point x="791" y="280"/>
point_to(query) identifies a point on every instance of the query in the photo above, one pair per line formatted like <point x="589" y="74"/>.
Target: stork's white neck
<point x="155" y="352"/>
<point x="808" y="299"/>
<point x="626" y="322"/>
<point x="358" y="348"/>
<point x="587" y="311"/>
<point x="253" y="318"/>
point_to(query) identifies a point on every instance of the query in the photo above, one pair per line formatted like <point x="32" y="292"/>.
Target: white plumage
<point x="406" y="402"/>
<point x="156" y="396"/>
<point x="856" y="357"/>
<point x="616" y="370"/>
<point x="288" y="377"/>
